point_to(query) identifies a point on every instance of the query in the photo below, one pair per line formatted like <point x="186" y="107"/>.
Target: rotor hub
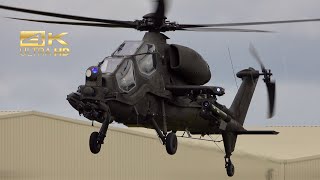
<point x="152" y="23"/>
<point x="153" y="16"/>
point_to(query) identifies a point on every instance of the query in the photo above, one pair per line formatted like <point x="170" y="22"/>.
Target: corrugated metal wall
<point x="44" y="147"/>
<point x="306" y="168"/>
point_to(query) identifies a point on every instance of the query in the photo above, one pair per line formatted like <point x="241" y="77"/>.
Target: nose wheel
<point x="94" y="143"/>
<point x="97" y="138"/>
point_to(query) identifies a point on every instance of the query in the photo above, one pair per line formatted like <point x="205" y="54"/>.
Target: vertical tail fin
<point x="242" y="100"/>
<point x="240" y="105"/>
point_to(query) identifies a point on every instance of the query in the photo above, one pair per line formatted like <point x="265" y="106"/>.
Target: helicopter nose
<point x="74" y="100"/>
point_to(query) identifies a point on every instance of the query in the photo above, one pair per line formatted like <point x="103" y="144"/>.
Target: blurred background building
<point x="35" y="145"/>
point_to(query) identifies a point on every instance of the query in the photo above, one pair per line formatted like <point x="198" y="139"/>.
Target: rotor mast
<point x="155" y="38"/>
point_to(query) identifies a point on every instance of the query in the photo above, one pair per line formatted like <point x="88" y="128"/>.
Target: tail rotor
<point x="271" y="84"/>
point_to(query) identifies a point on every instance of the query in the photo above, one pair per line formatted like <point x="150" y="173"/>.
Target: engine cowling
<point x="189" y="64"/>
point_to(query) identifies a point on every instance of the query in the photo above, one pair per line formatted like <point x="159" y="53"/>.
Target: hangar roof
<point x="291" y="144"/>
<point x="10" y="112"/>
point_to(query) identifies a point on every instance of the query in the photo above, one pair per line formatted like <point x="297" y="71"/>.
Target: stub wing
<point x="182" y="90"/>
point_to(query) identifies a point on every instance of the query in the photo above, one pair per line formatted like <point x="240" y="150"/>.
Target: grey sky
<point x="42" y="83"/>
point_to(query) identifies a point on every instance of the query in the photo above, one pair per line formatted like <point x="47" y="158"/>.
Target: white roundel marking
<point x="218" y="89"/>
<point x="88" y="73"/>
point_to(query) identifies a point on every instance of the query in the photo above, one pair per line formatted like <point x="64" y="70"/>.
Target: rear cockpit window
<point x="146" y="62"/>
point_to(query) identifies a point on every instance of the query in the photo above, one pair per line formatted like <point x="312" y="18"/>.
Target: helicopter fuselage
<point x="133" y="97"/>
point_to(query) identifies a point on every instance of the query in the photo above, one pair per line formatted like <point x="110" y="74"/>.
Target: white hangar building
<point x="35" y="145"/>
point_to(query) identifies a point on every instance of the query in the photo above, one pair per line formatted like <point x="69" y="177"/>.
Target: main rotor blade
<point x="223" y="30"/>
<point x="271" y="87"/>
<point x="160" y="9"/>
<point x="71" y="23"/>
<point x="128" y="24"/>
<point x="160" y="13"/>
<point x="253" y="51"/>
<point x="247" y="23"/>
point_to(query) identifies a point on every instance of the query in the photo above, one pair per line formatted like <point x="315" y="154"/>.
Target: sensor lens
<point x="88" y="73"/>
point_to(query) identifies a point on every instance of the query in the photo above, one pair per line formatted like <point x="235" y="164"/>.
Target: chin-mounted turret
<point x="89" y="98"/>
<point x="93" y="86"/>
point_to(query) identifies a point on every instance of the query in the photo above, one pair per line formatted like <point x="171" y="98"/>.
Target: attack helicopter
<point x="153" y="84"/>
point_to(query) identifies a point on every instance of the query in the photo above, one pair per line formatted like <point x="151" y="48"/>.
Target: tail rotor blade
<point x="253" y="51"/>
<point x="271" y="87"/>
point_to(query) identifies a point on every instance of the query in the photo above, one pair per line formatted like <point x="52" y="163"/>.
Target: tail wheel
<point x="230" y="169"/>
<point x="95" y="146"/>
<point x="171" y="143"/>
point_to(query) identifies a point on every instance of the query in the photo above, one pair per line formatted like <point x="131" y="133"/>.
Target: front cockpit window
<point x="110" y="64"/>
<point x="125" y="76"/>
<point x="128" y="48"/>
<point x="145" y="61"/>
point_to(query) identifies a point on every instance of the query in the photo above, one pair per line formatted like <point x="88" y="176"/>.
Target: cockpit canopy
<point x="128" y="48"/>
<point x="121" y="62"/>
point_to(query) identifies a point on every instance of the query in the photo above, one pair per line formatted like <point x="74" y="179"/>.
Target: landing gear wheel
<point x="171" y="143"/>
<point x="230" y="169"/>
<point x="94" y="144"/>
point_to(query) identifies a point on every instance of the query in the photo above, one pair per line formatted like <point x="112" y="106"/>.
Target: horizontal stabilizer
<point x="257" y="132"/>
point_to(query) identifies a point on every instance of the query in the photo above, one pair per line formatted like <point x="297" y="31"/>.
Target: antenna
<point x="234" y="75"/>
